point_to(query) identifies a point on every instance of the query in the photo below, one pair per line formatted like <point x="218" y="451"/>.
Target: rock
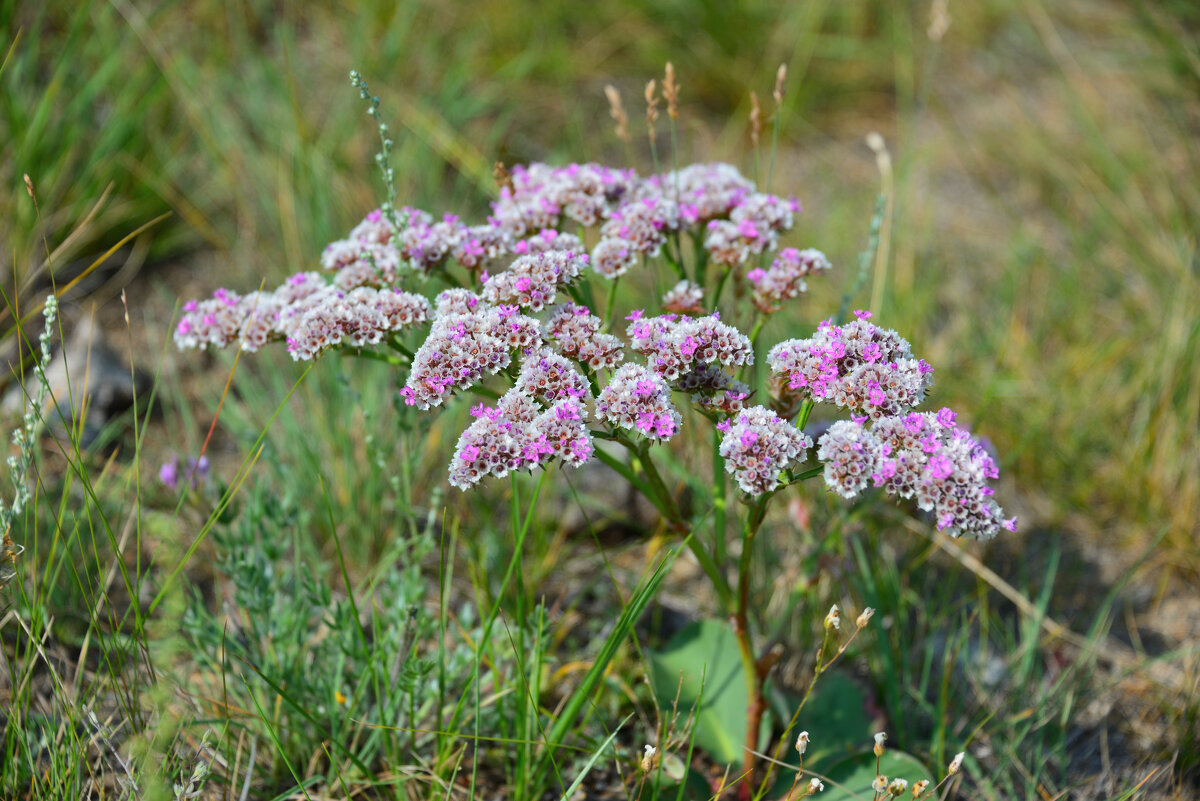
<point x="100" y="382"/>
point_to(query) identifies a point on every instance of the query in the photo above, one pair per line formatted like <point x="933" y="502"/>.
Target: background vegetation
<point x="1040" y="249"/>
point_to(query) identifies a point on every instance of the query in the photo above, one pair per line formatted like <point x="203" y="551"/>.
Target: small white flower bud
<point x="802" y="743"/>
<point x="815" y="786"/>
<point x="879" y="739"/>
<point x="956" y="763"/>
<point x="919" y="788"/>
<point x="833" y="620"/>
<point x="649" y="759"/>
<point x="865" y="618"/>
<point x="897" y="787"/>
<point x="880" y="784"/>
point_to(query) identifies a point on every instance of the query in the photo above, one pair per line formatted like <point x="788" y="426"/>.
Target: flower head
<point x="550" y="377"/>
<point x="684" y="298"/>
<point x="637" y="399"/>
<point x="575" y="333"/>
<point x="672" y="345"/>
<point x="945" y="469"/>
<point x="462" y="348"/>
<point x="785" y="278"/>
<point x="858" y="366"/>
<point x="533" y="281"/>
<point x="758" y="447"/>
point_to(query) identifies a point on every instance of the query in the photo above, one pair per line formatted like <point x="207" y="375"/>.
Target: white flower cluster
<point x="858" y="366"/>
<point x="518" y="434"/>
<point x="673" y="344"/>
<point x="637" y="398"/>
<point x="758" y="446"/>
<point x="923" y="456"/>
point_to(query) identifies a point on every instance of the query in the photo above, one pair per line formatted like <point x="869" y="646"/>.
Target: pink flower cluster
<point x="706" y="191"/>
<point x="425" y="244"/>
<point x="541" y="194"/>
<point x="753" y="227"/>
<point x="673" y="344"/>
<point x="925" y="456"/>
<point x="713" y="388"/>
<point x="533" y="281"/>
<point x="637" y="398"/>
<point x="305" y="311"/>
<point x="575" y="333"/>
<point x="463" y="347"/>
<point x="857" y="366"/>
<point x="784" y="279"/>
<point x="481" y="245"/>
<point x="757" y="446"/>
<point x="549" y="239"/>
<point x="643" y="223"/>
<point x="684" y="298"/>
<point x="358" y="318"/>
<point x="549" y="377"/>
<point x="613" y="257"/>
<point x="518" y="434"/>
<point x="367" y="257"/>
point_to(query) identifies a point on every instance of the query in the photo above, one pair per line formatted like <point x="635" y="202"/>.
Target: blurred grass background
<point x="1043" y="247"/>
<point x="1041" y="250"/>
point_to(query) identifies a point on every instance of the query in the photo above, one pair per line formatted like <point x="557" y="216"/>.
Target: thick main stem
<point x="756" y="701"/>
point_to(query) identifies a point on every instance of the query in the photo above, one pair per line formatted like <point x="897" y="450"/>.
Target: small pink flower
<point x="940" y="467"/>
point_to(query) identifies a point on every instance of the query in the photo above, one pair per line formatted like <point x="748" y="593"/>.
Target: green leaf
<point x="705" y="654"/>
<point x="851" y="778"/>
<point x="836" y="715"/>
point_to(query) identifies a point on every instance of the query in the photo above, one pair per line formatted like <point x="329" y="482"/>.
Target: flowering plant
<point x="508" y="313"/>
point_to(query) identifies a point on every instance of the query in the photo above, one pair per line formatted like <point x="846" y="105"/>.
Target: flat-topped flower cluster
<point x="519" y="308"/>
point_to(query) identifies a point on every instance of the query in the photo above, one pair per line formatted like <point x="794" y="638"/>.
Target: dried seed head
<point x="780" y="77"/>
<point x="880" y="784"/>
<point x="28" y="184"/>
<point x="879" y="739"/>
<point x="864" y="618"/>
<point x="956" y="763"/>
<point x="897" y="787"/>
<point x="503" y="178"/>
<point x="755" y="119"/>
<point x="883" y="159"/>
<point x="802" y="743"/>
<point x="651" y="106"/>
<point x="939" y="20"/>
<point x="919" y="788"/>
<point x="617" y="111"/>
<point x="671" y="91"/>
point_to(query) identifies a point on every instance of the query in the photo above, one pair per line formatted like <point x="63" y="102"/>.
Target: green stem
<point x="608" y="306"/>
<point x="375" y="356"/>
<point x="700" y="258"/>
<point x="396" y="345"/>
<point x="760" y="320"/>
<point x="805" y="410"/>
<point x="721" y="287"/>
<point x="719" y="500"/>
<point x="750" y="666"/>
<point x="774" y="146"/>
<point x="654" y="489"/>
